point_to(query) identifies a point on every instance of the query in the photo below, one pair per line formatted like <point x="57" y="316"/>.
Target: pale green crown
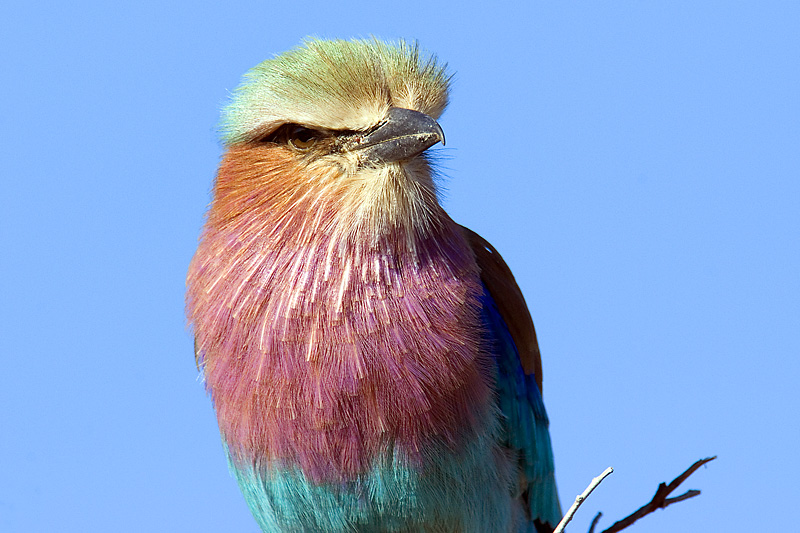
<point x="338" y="85"/>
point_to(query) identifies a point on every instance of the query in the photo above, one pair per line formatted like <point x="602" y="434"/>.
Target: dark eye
<point x="302" y="138"/>
<point x="298" y="137"/>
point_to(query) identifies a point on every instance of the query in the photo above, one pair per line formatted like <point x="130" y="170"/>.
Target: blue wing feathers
<point x="525" y="424"/>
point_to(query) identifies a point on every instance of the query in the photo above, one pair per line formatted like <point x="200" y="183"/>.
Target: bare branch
<point x="660" y="499"/>
<point x="580" y="499"/>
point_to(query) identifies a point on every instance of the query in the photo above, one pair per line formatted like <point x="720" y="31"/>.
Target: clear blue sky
<point x="637" y="164"/>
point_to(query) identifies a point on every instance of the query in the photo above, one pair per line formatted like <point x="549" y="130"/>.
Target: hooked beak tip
<point x="405" y="134"/>
<point x="440" y="132"/>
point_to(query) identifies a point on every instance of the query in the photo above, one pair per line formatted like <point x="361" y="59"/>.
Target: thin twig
<point x="660" y="499"/>
<point x="580" y="499"/>
<point x="594" y="521"/>
<point x="685" y="496"/>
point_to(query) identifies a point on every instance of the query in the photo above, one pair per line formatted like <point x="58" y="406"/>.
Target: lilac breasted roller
<point x="373" y="364"/>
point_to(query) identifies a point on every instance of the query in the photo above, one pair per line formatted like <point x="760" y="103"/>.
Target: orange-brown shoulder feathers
<point x="503" y="288"/>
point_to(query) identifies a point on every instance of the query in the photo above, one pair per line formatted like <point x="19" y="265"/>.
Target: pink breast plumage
<point x="322" y="352"/>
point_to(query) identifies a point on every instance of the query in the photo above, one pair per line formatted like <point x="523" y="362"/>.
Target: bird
<point x="372" y="364"/>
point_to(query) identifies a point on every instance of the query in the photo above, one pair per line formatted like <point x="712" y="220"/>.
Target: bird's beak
<point x="404" y="134"/>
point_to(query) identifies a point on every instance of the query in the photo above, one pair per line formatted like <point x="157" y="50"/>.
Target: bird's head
<point x="340" y="123"/>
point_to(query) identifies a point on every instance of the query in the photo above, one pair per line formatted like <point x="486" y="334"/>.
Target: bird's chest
<point x="327" y="357"/>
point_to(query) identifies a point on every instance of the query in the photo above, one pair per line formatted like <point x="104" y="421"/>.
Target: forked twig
<point x="660" y="500"/>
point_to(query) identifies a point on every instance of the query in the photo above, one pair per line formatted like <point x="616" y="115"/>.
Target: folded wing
<point x="510" y="333"/>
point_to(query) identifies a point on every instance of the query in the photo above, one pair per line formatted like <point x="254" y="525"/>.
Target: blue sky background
<point x="636" y="163"/>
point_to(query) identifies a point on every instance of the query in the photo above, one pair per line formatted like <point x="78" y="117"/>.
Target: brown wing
<point x="500" y="283"/>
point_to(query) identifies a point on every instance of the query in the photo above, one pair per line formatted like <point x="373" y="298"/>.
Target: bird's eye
<point x="302" y="138"/>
